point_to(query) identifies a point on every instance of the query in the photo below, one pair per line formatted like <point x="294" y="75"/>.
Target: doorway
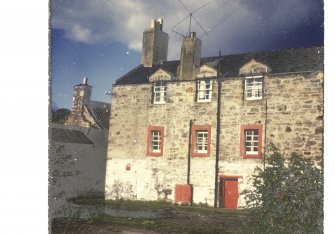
<point x="229" y="192"/>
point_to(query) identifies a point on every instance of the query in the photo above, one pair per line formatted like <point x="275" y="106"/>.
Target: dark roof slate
<point x="280" y="61"/>
<point x="100" y="111"/>
<point x="69" y="136"/>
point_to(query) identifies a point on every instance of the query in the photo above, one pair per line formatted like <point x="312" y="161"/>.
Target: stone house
<point x="193" y="130"/>
<point x="86" y="112"/>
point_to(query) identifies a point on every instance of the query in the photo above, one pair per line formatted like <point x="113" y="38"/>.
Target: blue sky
<point x="101" y="39"/>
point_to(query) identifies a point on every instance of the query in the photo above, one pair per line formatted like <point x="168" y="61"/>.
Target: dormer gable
<point x="254" y="67"/>
<point x="206" y="71"/>
<point x="161" y="75"/>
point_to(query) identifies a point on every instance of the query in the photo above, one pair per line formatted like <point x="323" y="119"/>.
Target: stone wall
<point x="76" y="169"/>
<point x="290" y="113"/>
<point x="132" y="113"/>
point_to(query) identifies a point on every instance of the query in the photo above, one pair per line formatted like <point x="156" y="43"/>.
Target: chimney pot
<point x="193" y="34"/>
<point x="85" y="80"/>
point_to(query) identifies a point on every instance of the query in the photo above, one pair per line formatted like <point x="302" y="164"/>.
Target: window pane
<point x="155" y="140"/>
<point x="160" y="93"/>
<point x="204" y="90"/>
<point x="251" y="141"/>
<point x="201" y="141"/>
<point x="253" y="88"/>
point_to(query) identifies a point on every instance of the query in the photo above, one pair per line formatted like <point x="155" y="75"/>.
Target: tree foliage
<point x="287" y="196"/>
<point x="60" y="115"/>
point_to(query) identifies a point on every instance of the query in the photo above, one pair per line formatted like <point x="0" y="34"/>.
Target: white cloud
<point x="98" y="21"/>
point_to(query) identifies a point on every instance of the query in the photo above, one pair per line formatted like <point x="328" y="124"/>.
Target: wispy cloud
<point x="99" y="21"/>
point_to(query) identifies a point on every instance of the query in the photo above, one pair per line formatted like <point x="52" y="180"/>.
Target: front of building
<point x="194" y="130"/>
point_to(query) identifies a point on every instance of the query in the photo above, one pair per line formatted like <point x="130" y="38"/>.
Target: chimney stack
<point x="189" y="57"/>
<point x="82" y="93"/>
<point x="155" y="44"/>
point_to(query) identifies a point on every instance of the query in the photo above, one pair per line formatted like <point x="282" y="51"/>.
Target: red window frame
<point x="242" y="141"/>
<point x="193" y="141"/>
<point x="149" y="152"/>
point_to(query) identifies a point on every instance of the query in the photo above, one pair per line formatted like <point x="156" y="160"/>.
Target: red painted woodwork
<point x="230" y="193"/>
<point x="183" y="193"/>
<point x="149" y="153"/>
<point x="193" y="143"/>
<point x="242" y="141"/>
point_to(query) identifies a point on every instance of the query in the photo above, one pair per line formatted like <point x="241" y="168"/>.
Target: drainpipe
<point x="218" y="127"/>
<point x="266" y="121"/>
<point x="189" y="153"/>
<point x="189" y="160"/>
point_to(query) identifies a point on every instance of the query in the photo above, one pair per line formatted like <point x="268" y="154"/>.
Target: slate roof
<point x="280" y="61"/>
<point x="69" y="136"/>
<point x="100" y="111"/>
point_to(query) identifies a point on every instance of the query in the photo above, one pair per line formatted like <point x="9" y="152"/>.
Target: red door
<point x="230" y="193"/>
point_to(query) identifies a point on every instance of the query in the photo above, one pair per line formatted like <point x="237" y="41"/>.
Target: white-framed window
<point x="253" y="87"/>
<point x="156" y="141"/>
<point x="251" y="137"/>
<point x="159" y="94"/>
<point x="251" y="141"/>
<point x="201" y="141"/>
<point x="204" y="90"/>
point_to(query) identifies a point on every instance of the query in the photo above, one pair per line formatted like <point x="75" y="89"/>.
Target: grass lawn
<point x="172" y="219"/>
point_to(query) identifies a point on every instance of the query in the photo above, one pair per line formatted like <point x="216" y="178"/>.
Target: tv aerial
<point x="190" y="16"/>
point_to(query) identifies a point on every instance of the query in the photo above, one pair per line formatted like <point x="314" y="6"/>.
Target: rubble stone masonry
<point x="290" y="113"/>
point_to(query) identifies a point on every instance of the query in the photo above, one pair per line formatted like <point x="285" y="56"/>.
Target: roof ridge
<point x="273" y="50"/>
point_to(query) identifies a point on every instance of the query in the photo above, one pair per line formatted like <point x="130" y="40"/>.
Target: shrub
<point x="287" y="196"/>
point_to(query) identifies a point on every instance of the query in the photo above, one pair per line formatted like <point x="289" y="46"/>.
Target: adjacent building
<point x="193" y="130"/>
<point x="86" y="112"/>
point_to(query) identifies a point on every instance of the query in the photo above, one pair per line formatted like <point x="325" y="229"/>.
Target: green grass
<point x="159" y="225"/>
<point x="134" y="205"/>
<point x="122" y="204"/>
<point x="181" y="218"/>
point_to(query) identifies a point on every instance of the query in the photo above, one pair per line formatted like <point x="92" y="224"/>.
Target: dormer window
<point x="159" y="93"/>
<point x="204" y="90"/>
<point x="253" y="87"/>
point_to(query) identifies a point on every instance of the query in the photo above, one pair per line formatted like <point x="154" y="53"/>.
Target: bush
<point x="60" y="116"/>
<point x="287" y="196"/>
